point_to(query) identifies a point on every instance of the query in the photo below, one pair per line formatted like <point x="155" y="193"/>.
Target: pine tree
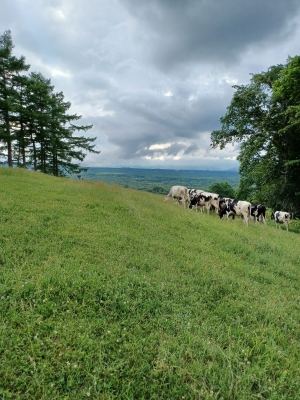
<point x="66" y="147"/>
<point x="10" y="68"/>
<point x="35" y="127"/>
<point x="39" y="96"/>
<point x="53" y="146"/>
<point x="21" y="131"/>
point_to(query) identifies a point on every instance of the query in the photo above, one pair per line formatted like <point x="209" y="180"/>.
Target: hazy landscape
<point x="110" y="293"/>
<point x="160" y="180"/>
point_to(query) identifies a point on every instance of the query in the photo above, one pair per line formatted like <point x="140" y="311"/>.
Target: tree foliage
<point x="36" y="129"/>
<point x="264" y="119"/>
<point x="223" y="189"/>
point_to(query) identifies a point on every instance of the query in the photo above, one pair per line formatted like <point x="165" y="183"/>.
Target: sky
<point x="153" y="77"/>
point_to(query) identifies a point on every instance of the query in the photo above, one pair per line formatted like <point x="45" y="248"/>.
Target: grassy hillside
<point x="110" y="293"/>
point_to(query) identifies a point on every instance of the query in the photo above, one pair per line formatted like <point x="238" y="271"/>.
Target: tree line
<point x="36" y="130"/>
<point x="264" y="119"/>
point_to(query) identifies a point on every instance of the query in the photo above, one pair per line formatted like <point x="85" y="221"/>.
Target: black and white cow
<point x="199" y="198"/>
<point x="193" y="194"/>
<point x="258" y="212"/>
<point x="204" y="199"/>
<point x="281" y="217"/>
<point x="223" y="202"/>
<point x="236" y="207"/>
<point x="215" y="200"/>
<point x="180" y="193"/>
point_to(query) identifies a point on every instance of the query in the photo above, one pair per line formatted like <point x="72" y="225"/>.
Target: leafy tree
<point x="264" y="117"/>
<point x="10" y="67"/>
<point x="223" y="189"/>
<point x="159" y="189"/>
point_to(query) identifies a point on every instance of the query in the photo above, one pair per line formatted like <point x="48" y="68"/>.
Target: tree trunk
<point x="8" y="140"/>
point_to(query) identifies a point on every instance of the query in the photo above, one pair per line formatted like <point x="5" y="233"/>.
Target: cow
<point x="199" y="198"/>
<point x="193" y="194"/>
<point x="281" y="217"/>
<point x="258" y="212"/>
<point x="215" y="200"/>
<point x="204" y="199"/>
<point x="223" y="202"/>
<point x="224" y="207"/>
<point x="236" y="207"/>
<point x="180" y="193"/>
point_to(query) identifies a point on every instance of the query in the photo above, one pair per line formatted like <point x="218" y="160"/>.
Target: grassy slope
<point x="111" y="293"/>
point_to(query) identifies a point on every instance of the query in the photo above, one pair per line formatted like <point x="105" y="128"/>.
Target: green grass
<point x="110" y="293"/>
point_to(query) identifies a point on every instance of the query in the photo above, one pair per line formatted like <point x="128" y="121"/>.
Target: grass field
<point x="110" y="293"/>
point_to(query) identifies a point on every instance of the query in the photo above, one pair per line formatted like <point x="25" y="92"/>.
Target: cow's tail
<point x="249" y="212"/>
<point x="264" y="215"/>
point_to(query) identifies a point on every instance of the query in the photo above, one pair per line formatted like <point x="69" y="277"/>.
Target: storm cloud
<point x="155" y="77"/>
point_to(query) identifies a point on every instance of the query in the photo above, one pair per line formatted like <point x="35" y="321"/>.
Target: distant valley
<point x="159" y="180"/>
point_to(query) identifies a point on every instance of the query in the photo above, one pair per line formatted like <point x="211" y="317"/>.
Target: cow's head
<point x="222" y="203"/>
<point x="223" y="211"/>
<point x="193" y="201"/>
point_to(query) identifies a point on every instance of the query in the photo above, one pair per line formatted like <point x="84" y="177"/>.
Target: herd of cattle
<point x="195" y="198"/>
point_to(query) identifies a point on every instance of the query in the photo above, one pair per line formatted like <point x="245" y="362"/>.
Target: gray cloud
<point x="152" y="77"/>
<point x="191" y="149"/>
<point x="183" y="31"/>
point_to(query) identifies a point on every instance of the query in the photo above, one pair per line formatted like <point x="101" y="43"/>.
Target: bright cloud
<point x="64" y="74"/>
<point x="59" y="14"/>
<point x="159" y="146"/>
